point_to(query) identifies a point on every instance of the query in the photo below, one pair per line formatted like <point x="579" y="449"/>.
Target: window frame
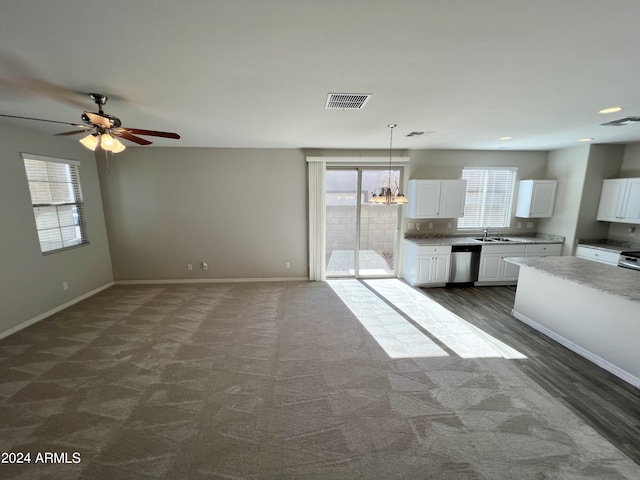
<point x="69" y="193"/>
<point x="509" y="201"/>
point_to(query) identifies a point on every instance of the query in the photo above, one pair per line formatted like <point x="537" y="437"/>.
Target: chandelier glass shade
<point x="391" y="194"/>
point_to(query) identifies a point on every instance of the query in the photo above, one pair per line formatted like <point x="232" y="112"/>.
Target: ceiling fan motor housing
<point x="113" y="121"/>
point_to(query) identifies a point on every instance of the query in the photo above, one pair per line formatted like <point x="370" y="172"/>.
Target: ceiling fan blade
<point x="98" y="119"/>
<point x="19" y="80"/>
<point x="126" y="135"/>
<point x="74" y="132"/>
<point x="152" y="133"/>
<point x="39" y="120"/>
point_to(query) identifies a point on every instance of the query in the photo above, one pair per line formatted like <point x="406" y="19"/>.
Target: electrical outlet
<point x="418" y="227"/>
<point x="519" y="224"/>
<point x="287" y="264"/>
<point x="65" y="286"/>
<point x="449" y="225"/>
<point x="430" y="224"/>
<point x="529" y="224"/>
<point x="205" y="266"/>
<point x="411" y="225"/>
<point x="189" y="266"/>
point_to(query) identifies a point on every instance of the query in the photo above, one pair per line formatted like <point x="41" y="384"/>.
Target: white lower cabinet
<point x="430" y="265"/>
<point x="433" y="269"/>
<point x="598" y="254"/>
<point x="494" y="270"/>
<point x="493" y="267"/>
<point x="425" y="264"/>
<point x="543" y="250"/>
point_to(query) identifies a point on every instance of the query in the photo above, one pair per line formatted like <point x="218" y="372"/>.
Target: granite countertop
<point x="610" y="245"/>
<point x="611" y="279"/>
<point x="470" y="240"/>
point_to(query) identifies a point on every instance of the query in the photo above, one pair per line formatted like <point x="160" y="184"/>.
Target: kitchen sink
<point x="495" y="239"/>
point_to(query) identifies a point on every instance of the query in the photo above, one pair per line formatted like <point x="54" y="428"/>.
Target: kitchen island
<point x="589" y="307"/>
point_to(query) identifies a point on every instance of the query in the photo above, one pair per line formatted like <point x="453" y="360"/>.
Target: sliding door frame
<point x="317" y="167"/>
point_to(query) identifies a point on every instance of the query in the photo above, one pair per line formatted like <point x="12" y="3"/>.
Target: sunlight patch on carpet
<point x="397" y="337"/>
<point x="465" y="339"/>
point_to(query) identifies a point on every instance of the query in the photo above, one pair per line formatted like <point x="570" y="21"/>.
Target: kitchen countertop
<point x="610" y="245"/>
<point x="611" y="279"/>
<point x="470" y="240"/>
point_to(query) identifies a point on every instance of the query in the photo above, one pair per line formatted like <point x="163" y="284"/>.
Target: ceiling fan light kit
<point x="104" y="130"/>
<point x="90" y="141"/>
<point x="111" y="144"/>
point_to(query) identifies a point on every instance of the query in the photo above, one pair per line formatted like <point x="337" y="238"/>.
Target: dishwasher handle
<point x="466" y="248"/>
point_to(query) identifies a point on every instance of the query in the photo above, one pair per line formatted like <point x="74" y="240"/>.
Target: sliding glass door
<point x="361" y="238"/>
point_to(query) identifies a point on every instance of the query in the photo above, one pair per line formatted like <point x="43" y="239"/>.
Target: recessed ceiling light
<point x="585" y="139"/>
<point x="505" y="138"/>
<point x="610" y="110"/>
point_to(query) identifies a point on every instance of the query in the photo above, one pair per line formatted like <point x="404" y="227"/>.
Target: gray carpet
<point x="270" y="381"/>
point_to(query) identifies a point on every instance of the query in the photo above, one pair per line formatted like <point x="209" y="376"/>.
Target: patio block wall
<point x="378" y="227"/>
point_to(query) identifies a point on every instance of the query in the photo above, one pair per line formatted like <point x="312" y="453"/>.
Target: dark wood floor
<point x="610" y="405"/>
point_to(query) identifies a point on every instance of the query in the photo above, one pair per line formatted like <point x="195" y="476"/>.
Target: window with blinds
<point x="56" y="196"/>
<point x="489" y="197"/>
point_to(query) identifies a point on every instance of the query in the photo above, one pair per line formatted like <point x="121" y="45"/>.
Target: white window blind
<point x="56" y="196"/>
<point x="489" y="197"/>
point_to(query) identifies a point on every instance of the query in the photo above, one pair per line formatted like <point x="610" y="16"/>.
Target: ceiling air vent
<point x="347" y="101"/>
<point x="622" y="122"/>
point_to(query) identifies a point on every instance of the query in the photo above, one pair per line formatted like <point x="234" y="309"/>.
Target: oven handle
<point x="629" y="262"/>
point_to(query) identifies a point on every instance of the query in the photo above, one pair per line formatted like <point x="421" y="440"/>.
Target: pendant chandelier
<point x="389" y="195"/>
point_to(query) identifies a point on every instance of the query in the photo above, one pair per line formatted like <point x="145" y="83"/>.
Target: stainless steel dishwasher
<point x="465" y="261"/>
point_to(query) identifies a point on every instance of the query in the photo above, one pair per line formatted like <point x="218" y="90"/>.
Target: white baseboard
<point x="57" y="309"/>
<point x="211" y="280"/>
<point x="601" y="362"/>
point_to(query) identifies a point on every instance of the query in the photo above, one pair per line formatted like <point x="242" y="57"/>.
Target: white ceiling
<point x="256" y="73"/>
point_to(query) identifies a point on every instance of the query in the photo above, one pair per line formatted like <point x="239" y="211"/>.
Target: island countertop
<point x="611" y="279"/>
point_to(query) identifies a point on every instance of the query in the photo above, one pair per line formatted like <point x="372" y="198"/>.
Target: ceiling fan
<point x="103" y="129"/>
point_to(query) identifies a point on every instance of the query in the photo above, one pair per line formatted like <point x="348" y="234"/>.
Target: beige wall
<point x="604" y="162"/>
<point x="631" y="161"/>
<point x="31" y="283"/>
<point x="569" y="167"/>
<point x="242" y="211"/>
<point x="580" y="172"/>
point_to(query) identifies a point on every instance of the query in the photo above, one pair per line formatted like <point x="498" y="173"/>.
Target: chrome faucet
<point x="485" y="234"/>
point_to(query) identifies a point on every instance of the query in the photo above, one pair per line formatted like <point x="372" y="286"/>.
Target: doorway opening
<point x="361" y="238"/>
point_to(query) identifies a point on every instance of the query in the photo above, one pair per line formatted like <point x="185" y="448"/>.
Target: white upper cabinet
<point x="436" y="198"/>
<point x="536" y="198"/>
<point x="620" y="201"/>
